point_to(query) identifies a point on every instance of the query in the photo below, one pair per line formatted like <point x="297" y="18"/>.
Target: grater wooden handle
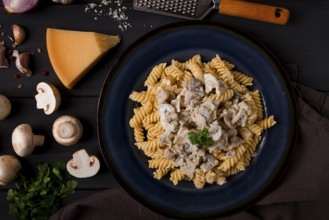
<point x="254" y="11"/>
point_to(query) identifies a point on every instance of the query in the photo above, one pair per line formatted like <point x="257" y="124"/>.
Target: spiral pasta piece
<point x="156" y="130"/>
<point x="256" y="129"/>
<point x="151" y="118"/>
<point x="267" y="122"/>
<point x="174" y="71"/>
<point x="234" y="85"/>
<point x="242" y="78"/>
<point x="210" y="177"/>
<point x="258" y="102"/>
<point x="187" y="75"/>
<point x="149" y="145"/>
<point x="139" y="134"/>
<point x="142" y="96"/>
<point x="155" y="74"/>
<point x="199" y="179"/>
<point x="208" y="69"/>
<point x="222" y="69"/>
<point x="140" y="114"/>
<point x="223" y="97"/>
<point x="196" y="70"/>
<point x="161" y="163"/>
<point x="230" y="162"/>
<point x="176" y="176"/>
<point x="161" y="172"/>
<point x="229" y="65"/>
<point x="180" y="65"/>
<point x="196" y="59"/>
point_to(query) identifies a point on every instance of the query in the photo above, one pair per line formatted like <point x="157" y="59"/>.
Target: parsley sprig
<point x="40" y="197"/>
<point x="201" y="138"/>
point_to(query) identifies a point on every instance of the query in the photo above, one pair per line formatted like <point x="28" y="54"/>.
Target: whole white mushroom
<point x="24" y="141"/>
<point x="5" y="107"/>
<point x="9" y="168"/>
<point x="67" y="130"/>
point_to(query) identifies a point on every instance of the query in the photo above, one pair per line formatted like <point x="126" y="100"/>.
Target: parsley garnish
<point x="201" y="138"/>
<point x="40" y="197"/>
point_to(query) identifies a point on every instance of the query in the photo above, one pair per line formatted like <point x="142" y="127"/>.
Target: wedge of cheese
<point x="73" y="53"/>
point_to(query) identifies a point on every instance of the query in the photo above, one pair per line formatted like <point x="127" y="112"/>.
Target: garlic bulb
<point x="19" y="6"/>
<point x="65" y="2"/>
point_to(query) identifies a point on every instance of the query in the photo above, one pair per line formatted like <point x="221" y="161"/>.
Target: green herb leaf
<point x="201" y="138"/>
<point x="40" y="197"/>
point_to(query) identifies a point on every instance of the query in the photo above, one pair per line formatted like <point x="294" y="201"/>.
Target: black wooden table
<point x="303" y="41"/>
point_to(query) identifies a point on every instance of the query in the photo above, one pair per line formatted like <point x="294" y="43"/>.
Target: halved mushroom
<point x="5" y="107"/>
<point x="48" y="97"/>
<point x="24" y="141"/>
<point x="67" y="130"/>
<point x="9" y="167"/>
<point x="82" y="165"/>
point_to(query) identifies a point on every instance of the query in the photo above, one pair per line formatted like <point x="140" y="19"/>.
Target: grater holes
<point x="182" y="7"/>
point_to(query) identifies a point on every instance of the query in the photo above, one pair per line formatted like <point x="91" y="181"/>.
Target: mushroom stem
<point x="66" y="130"/>
<point x="38" y="140"/>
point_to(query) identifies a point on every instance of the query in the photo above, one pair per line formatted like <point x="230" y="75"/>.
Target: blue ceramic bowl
<point x="181" y="41"/>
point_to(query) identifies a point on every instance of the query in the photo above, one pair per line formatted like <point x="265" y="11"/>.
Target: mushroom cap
<point x="24" y="141"/>
<point x="9" y="167"/>
<point x="82" y="165"/>
<point x="67" y="130"/>
<point x="5" y="107"/>
<point x="48" y="97"/>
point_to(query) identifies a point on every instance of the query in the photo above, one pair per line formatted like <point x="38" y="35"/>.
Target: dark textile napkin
<point x="303" y="193"/>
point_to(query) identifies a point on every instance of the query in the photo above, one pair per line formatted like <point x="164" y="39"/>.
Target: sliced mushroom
<point x="5" y="107"/>
<point x="242" y="114"/>
<point x="210" y="83"/>
<point x="82" y="165"/>
<point x="215" y="131"/>
<point x="9" y="168"/>
<point x="24" y="141"/>
<point x="48" y="97"/>
<point x="67" y="130"/>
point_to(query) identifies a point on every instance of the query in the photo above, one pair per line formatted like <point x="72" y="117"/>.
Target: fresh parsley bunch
<point x="201" y="138"/>
<point x="38" y="198"/>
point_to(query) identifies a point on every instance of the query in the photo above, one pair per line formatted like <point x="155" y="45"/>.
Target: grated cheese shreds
<point x="112" y="9"/>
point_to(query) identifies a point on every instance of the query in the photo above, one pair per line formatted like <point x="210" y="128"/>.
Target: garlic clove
<point x="19" y="6"/>
<point x="19" y="34"/>
<point x="22" y="62"/>
<point x="3" y="59"/>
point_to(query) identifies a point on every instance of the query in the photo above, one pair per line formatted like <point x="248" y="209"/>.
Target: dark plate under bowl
<point x="181" y="41"/>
